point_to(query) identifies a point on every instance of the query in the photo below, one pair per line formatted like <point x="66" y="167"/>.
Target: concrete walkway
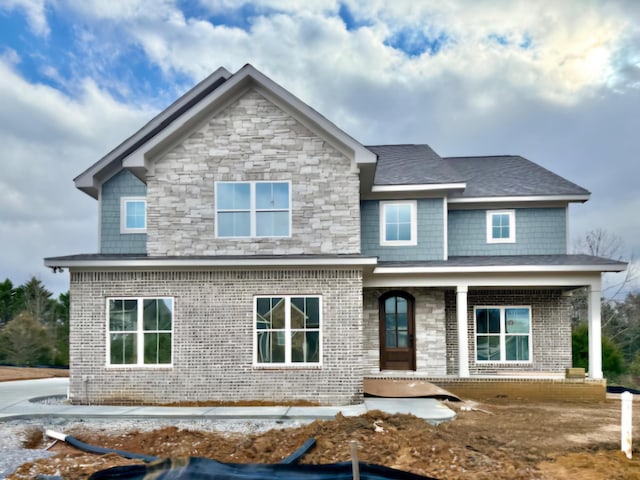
<point x="16" y="403"/>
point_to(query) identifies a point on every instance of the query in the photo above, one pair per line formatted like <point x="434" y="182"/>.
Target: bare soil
<point x="9" y="374"/>
<point x="500" y="439"/>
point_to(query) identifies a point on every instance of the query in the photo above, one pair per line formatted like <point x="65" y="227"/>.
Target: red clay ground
<point x="516" y="440"/>
<point x="8" y="374"/>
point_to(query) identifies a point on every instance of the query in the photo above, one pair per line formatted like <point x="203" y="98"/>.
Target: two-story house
<point x="252" y="250"/>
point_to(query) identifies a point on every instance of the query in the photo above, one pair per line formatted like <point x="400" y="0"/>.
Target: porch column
<point x="595" y="331"/>
<point x="463" y="339"/>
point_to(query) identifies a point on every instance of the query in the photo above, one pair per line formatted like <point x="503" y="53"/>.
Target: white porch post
<point x="463" y="339"/>
<point x="595" y="331"/>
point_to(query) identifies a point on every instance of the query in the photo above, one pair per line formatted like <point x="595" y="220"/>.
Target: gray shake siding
<point x="550" y="324"/>
<point x="430" y="230"/>
<point x="539" y="231"/>
<point x="123" y="184"/>
<point x="252" y="140"/>
<point x="213" y="338"/>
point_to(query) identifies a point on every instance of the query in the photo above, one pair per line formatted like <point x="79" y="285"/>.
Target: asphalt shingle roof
<point x="486" y="176"/>
<point x="510" y="175"/>
<point x="411" y="165"/>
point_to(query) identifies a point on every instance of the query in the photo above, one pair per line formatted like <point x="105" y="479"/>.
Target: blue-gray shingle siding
<point x="539" y="231"/>
<point x="124" y="184"/>
<point x="430" y="229"/>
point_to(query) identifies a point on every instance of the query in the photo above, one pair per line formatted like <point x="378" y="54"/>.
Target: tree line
<point x="34" y="326"/>
<point x="620" y="314"/>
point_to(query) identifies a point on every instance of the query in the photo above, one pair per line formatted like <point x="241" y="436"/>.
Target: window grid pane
<point x="135" y="214"/>
<point x="287" y="330"/>
<point x="503" y="334"/>
<point x="153" y="334"/>
<point x="253" y="209"/>
<point x="397" y="222"/>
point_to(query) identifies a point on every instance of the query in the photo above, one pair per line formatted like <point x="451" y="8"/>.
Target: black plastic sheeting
<point x="206" y="469"/>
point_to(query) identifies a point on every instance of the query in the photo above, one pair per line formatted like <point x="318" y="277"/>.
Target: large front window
<point x="140" y="331"/>
<point x="253" y="209"/>
<point x="503" y="334"/>
<point x="287" y="330"/>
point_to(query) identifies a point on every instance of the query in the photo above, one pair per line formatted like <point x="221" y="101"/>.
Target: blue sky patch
<point x="240" y="17"/>
<point x="499" y="39"/>
<point x="416" y="42"/>
<point x="349" y="20"/>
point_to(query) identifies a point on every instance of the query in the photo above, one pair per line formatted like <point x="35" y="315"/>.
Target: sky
<point x="555" y="82"/>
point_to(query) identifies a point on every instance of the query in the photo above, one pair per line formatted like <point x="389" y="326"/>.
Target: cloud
<point x="554" y="81"/>
<point x="35" y="11"/>
<point x="47" y="138"/>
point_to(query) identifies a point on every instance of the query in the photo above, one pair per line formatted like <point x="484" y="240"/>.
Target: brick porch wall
<point x="551" y="329"/>
<point x="213" y="338"/>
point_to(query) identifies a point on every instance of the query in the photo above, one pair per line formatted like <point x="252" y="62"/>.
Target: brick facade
<point x="550" y="325"/>
<point x="213" y="338"/>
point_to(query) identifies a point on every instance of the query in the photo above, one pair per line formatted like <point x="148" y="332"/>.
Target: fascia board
<point x="213" y="262"/>
<point x="512" y="199"/>
<point x="498" y="280"/>
<point x="498" y="269"/>
<point x="86" y="181"/>
<point x="418" y="187"/>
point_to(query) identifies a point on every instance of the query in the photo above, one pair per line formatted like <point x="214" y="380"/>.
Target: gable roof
<point x="206" y="98"/>
<point x="511" y="176"/>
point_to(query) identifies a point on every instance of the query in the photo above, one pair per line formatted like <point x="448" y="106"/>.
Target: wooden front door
<point x="397" y="325"/>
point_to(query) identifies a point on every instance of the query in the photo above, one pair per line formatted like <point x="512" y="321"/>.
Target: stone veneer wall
<point x="253" y="140"/>
<point x="213" y="338"/>
<point x="551" y="329"/>
<point x="430" y="332"/>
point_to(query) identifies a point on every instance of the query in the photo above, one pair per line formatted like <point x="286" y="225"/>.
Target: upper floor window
<point x="398" y="223"/>
<point x="140" y="331"/>
<point x="253" y="209"/>
<point x="503" y="334"/>
<point x="133" y="215"/>
<point x="287" y="330"/>
<point x="501" y="226"/>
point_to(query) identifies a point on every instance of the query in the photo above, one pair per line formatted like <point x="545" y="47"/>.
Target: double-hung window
<point x="503" y="334"/>
<point x="501" y="226"/>
<point x="287" y="330"/>
<point x="253" y="209"/>
<point x="133" y="215"/>
<point x="140" y="331"/>
<point x="398" y="223"/>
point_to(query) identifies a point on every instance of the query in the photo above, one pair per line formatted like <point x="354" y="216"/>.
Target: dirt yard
<point x="498" y="440"/>
<point x="9" y="374"/>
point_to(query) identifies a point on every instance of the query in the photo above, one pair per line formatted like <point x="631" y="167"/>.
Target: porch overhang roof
<point x="503" y="264"/>
<point x="117" y="261"/>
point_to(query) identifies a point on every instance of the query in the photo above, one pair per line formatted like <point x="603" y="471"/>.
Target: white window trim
<point x="287" y="329"/>
<point x="139" y="336"/>
<point x="414" y="223"/>
<point x="253" y="210"/>
<point x="512" y="226"/>
<point x="123" y="214"/>
<point x="503" y="334"/>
